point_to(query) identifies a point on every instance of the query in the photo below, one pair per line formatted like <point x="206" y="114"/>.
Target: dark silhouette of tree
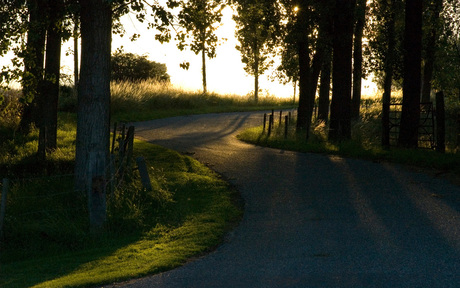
<point x="133" y="67"/>
<point x="432" y="25"/>
<point x="49" y="95"/>
<point x="340" y="120"/>
<point x="410" y="116"/>
<point x="200" y="19"/>
<point x="309" y="31"/>
<point x="384" y="52"/>
<point x="358" y="57"/>
<point x="33" y="57"/>
<point x="257" y="23"/>
<point x="325" y="86"/>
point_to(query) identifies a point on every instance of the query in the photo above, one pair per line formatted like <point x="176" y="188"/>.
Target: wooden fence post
<point x="270" y="125"/>
<point x="3" y="204"/>
<point x="286" y="124"/>
<point x="440" y="123"/>
<point x="130" y="145"/>
<point x="114" y="137"/>
<point x="281" y="117"/>
<point x="145" y="179"/>
<point x="265" y="120"/>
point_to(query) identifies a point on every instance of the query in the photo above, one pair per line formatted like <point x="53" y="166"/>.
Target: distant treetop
<point x="133" y="67"/>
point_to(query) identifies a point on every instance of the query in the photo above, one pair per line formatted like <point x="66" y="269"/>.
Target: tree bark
<point x="304" y="78"/>
<point x="430" y="50"/>
<point x="325" y="87"/>
<point x="203" y="63"/>
<point x="410" y="116"/>
<point x="389" y="68"/>
<point x="304" y="68"/>
<point x="340" y="122"/>
<point x="33" y="63"/>
<point x="93" y="120"/>
<point x="76" y="57"/>
<point x="256" y="71"/>
<point x="50" y="93"/>
<point x="358" y="58"/>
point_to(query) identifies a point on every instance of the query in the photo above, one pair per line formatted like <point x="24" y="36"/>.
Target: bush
<point x="132" y="67"/>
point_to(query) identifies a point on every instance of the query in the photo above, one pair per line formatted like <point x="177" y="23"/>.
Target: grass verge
<point x="443" y="163"/>
<point x="46" y="243"/>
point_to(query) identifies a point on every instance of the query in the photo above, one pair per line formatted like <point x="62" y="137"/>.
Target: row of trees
<point x="312" y="38"/>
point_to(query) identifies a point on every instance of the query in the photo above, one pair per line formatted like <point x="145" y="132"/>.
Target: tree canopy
<point x="133" y="67"/>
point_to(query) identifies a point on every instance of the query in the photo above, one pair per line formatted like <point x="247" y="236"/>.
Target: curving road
<point x="315" y="220"/>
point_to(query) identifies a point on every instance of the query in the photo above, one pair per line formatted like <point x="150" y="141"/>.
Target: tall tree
<point x="200" y="19"/>
<point x="383" y="52"/>
<point x="33" y="54"/>
<point x="325" y="86"/>
<point x="310" y="32"/>
<point x="93" y="118"/>
<point x="340" y="120"/>
<point x="256" y="23"/>
<point x="49" y="95"/>
<point x="432" y="27"/>
<point x="358" y="57"/>
<point x="410" y="116"/>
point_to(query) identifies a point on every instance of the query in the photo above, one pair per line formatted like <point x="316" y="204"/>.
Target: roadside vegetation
<point x="46" y="240"/>
<point x="366" y="140"/>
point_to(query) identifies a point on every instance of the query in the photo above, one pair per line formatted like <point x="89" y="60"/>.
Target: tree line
<point x="321" y="43"/>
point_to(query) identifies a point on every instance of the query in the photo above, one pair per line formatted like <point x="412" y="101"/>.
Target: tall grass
<point x="366" y="139"/>
<point x="149" y="100"/>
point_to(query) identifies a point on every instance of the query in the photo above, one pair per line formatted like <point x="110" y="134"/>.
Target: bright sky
<point x="225" y="73"/>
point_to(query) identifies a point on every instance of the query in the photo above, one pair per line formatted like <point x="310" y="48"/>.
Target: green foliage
<point x="150" y="100"/>
<point x="47" y="243"/>
<point x="10" y="109"/>
<point x="366" y="141"/>
<point x="132" y="67"/>
<point x="381" y="15"/>
<point x="199" y="19"/>
<point x="257" y="26"/>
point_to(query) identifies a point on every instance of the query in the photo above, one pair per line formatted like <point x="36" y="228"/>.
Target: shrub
<point x="133" y="67"/>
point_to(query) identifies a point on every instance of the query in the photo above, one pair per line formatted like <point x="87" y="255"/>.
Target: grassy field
<point x="46" y="242"/>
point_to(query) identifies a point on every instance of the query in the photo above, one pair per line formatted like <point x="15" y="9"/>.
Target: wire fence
<point x="54" y="195"/>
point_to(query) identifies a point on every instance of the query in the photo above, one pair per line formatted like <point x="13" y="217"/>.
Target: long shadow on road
<point x="315" y="220"/>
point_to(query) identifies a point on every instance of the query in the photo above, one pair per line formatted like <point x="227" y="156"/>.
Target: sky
<point x="225" y="73"/>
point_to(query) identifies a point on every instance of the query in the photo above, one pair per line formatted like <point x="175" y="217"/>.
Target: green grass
<point x="151" y="100"/>
<point x="46" y="241"/>
<point x="365" y="144"/>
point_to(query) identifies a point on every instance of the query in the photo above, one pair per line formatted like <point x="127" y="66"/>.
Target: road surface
<point x="314" y="220"/>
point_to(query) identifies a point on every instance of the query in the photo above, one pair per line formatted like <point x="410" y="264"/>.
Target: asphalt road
<point x="314" y="220"/>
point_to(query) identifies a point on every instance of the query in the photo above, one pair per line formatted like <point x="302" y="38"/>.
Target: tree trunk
<point x="76" y="54"/>
<point x="389" y="67"/>
<point x="325" y="87"/>
<point x="304" y="78"/>
<point x="430" y="51"/>
<point x="340" y="123"/>
<point x="410" y="116"/>
<point x="50" y="93"/>
<point x="358" y="58"/>
<point x="93" y="121"/>
<point x="256" y="71"/>
<point x="33" y="63"/>
<point x="203" y="67"/>
<point x="304" y="69"/>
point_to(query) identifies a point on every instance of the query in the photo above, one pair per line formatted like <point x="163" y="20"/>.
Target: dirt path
<point x="314" y="220"/>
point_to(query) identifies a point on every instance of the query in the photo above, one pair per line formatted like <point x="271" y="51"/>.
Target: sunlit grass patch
<point x="144" y="100"/>
<point x="47" y="243"/>
<point x="365" y="143"/>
